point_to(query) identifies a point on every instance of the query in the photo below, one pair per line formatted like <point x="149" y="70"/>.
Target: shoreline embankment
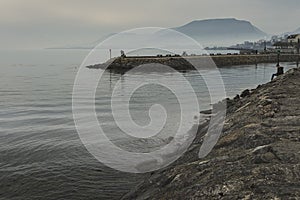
<point x="256" y="157"/>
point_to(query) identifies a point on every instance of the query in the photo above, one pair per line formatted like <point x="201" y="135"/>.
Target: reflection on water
<point x="41" y="155"/>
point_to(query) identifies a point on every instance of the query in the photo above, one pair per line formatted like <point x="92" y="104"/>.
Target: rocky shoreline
<point x="257" y="156"/>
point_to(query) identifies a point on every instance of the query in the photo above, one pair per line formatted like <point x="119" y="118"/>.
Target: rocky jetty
<point x="127" y="63"/>
<point x="257" y="156"/>
<point x="189" y="62"/>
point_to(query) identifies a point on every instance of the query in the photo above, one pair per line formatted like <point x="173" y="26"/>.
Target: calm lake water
<point x="41" y="155"/>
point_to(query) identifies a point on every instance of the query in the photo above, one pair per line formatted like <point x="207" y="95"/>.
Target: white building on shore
<point x="293" y="38"/>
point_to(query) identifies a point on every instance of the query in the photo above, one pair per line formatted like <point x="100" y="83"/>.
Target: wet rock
<point x="206" y="112"/>
<point x="237" y="97"/>
<point x="245" y="93"/>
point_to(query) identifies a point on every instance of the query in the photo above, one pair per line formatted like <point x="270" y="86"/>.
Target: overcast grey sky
<point x="46" y="23"/>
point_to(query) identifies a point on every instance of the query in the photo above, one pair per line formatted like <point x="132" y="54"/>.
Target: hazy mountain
<point x="296" y="31"/>
<point x="210" y="32"/>
<point x="221" y="31"/>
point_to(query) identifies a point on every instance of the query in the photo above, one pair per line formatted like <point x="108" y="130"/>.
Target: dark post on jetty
<point x="279" y="68"/>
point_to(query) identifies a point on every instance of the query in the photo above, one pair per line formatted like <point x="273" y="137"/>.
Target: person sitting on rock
<point x="279" y="71"/>
<point x="123" y="54"/>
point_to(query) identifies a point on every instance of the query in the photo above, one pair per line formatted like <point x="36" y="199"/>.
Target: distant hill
<point x="210" y="32"/>
<point x="221" y="31"/>
<point x="296" y="31"/>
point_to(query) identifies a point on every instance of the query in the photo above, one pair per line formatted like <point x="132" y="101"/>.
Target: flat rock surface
<point x="257" y="156"/>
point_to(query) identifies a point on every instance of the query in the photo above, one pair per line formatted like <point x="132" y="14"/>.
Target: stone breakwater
<point x="257" y="156"/>
<point x="188" y="63"/>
